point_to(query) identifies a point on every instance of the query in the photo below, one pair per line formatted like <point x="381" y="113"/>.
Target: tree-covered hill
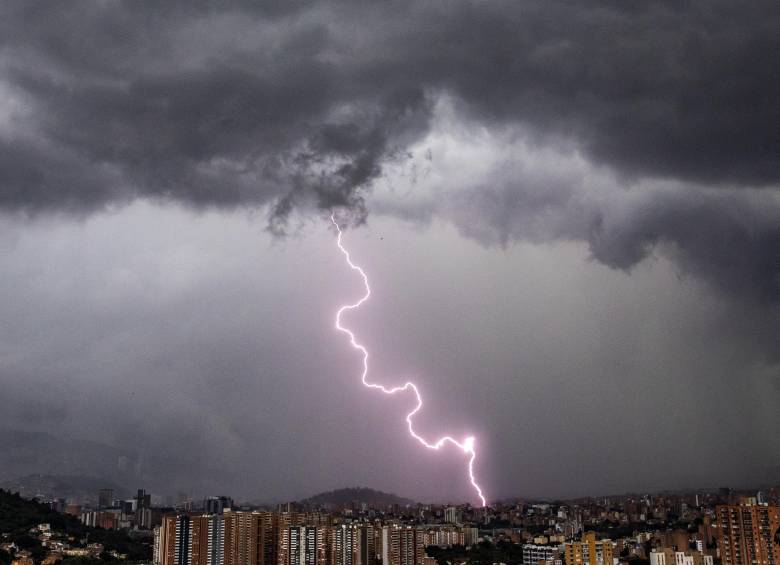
<point x="18" y="515"/>
<point x="346" y="496"/>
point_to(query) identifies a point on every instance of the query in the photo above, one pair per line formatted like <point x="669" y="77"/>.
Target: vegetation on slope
<point x="18" y="515"/>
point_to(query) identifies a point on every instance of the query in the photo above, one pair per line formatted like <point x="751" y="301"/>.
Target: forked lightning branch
<point x="468" y="444"/>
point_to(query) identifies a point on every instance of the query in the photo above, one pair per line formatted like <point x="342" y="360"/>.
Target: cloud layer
<point x="625" y="132"/>
<point x="501" y="187"/>
<point x="305" y="105"/>
<point x="254" y="103"/>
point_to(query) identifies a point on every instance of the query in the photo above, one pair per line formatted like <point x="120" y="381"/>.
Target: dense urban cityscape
<point x="723" y="527"/>
<point x="516" y="260"/>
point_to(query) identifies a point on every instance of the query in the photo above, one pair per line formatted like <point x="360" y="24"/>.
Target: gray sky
<point x="569" y="213"/>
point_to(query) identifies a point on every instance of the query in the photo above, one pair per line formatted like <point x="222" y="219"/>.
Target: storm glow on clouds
<point x="570" y="213"/>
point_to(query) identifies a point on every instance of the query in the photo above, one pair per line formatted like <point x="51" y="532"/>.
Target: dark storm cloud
<point x="725" y="239"/>
<point x="728" y="237"/>
<point x="640" y="129"/>
<point x="230" y="104"/>
<point x="685" y="90"/>
<point x="118" y="105"/>
<point x="304" y="104"/>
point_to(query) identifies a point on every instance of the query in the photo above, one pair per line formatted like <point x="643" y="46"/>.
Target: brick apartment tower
<point x="172" y="543"/>
<point x="402" y="545"/>
<point x="250" y="538"/>
<point x="206" y="540"/>
<point x="749" y="534"/>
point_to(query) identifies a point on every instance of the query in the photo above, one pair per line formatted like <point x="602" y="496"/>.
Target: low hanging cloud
<point x="499" y="187"/>
<point x="111" y="104"/>
<point x="306" y="105"/>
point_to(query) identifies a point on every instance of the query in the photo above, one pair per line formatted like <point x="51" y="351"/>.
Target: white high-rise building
<point x="452" y="515"/>
<point x="302" y="545"/>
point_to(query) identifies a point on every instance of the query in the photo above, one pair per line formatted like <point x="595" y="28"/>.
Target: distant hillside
<point x="60" y="486"/>
<point x="347" y="496"/>
<point x="18" y="515"/>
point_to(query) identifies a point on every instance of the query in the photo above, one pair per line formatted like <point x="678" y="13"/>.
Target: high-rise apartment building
<point x="589" y="551"/>
<point x="172" y="542"/>
<point x="412" y="546"/>
<point x="206" y="545"/>
<point x="268" y="538"/>
<point x="402" y="545"/>
<point x="443" y="537"/>
<point x="233" y="538"/>
<point x="105" y="498"/>
<point x="304" y="545"/>
<point x="367" y="545"/>
<point x="249" y="538"/>
<point x="157" y="548"/>
<point x="217" y="504"/>
<point x="108" y="520"/>
<point x="533" y="554"/>
<point x="453" y="515"/>
<point x="669" y="556"/>
<point x="749" y="534"/>
<point x="470" y="536"/>
<point x="389" y="545"/>
<point x="345" y="545"/>
<point x="353" y="544"/>
<point x="143" y="509"/>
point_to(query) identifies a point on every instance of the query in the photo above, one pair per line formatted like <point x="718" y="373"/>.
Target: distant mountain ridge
<point x="27" y="453"/>
<point x="346" y="496"/>
<point x="76" y="487"/>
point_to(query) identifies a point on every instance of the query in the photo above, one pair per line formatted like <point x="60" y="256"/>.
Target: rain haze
<point x="569" y="214"/>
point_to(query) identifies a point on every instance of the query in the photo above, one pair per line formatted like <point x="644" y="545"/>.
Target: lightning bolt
<point x="468" y="444"/>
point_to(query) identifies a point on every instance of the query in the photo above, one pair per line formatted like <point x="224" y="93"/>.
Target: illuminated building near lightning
<point x="467" y="445"/>
<point x="353" y="544"/>
<point x="345" y="545"/>
<point x="452" y="515"/>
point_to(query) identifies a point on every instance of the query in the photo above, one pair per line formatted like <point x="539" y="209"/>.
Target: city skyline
<point x="734" y="529"/>
<point x="215" y="503"/>
<point x="362" y="527"/>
